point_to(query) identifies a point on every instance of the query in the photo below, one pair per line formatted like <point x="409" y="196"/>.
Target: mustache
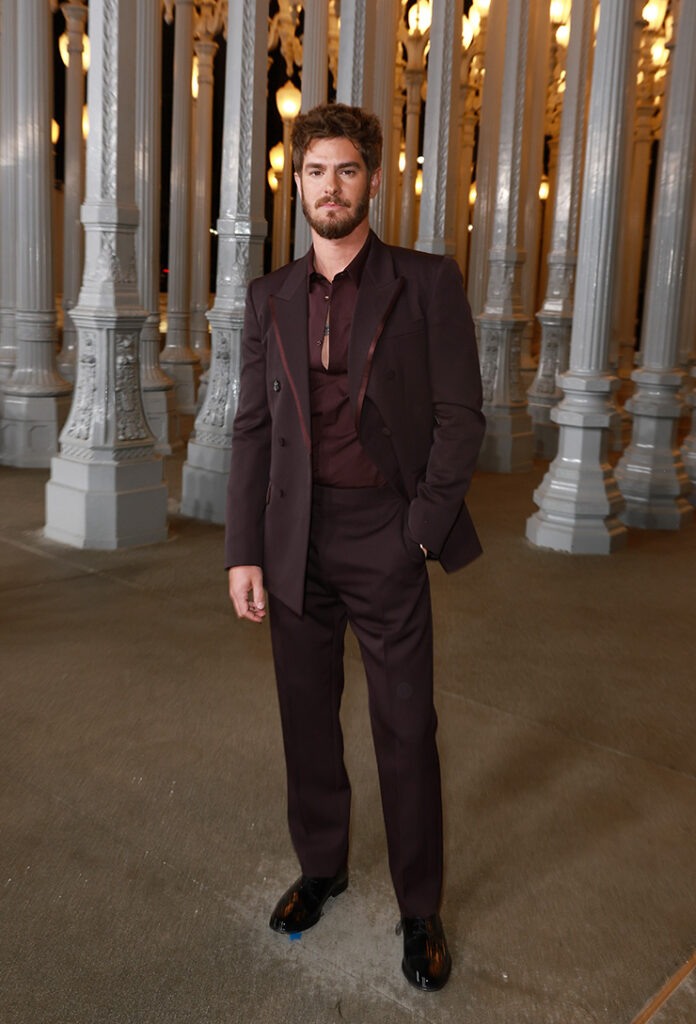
<point x="330" y="199"/>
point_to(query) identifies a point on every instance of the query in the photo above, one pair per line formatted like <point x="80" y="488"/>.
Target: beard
<point x="338" y="226"/>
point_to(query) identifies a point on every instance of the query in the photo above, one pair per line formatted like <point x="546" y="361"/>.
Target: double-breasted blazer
<point x="415" y="392"/>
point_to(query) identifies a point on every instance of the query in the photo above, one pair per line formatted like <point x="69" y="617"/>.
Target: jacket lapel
<point x="289" y="312"/>
<point x="378" y="292"/>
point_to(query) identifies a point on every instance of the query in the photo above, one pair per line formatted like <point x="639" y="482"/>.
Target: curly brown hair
<point x="338" y="121"/>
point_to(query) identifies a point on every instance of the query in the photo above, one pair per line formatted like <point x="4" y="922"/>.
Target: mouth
<point x="333" y="204"/>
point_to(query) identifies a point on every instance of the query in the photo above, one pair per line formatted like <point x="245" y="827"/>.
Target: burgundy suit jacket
<point x="415" y="390"/>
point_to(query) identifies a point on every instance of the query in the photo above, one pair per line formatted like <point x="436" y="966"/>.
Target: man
<point x="355" y="439"/>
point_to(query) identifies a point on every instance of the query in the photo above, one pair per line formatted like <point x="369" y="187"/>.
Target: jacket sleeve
<point x="251" y="450"/>
<point x="458" y="423"/>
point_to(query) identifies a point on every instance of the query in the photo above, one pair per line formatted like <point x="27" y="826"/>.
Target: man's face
<point x="335" y="188"/>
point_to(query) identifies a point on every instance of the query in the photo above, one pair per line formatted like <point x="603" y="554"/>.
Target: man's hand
<point x="246" y="579"/>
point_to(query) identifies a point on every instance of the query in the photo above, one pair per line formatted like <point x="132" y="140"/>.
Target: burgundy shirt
<point x="338" y="458"/>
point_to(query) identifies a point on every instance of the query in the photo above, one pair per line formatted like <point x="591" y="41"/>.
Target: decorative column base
<point x="185" y="376"/>
<point x="544" y="393"/>
<point x="544" y="429"/>
<point x="688" y="450"/>
<point x="650" y="475"/>
<point x="507" y="446"/>
<point x="161" y="414"/>
<point x="207" y="466"/>
<point x="578" y="499"/>
<point x="66" y="359"/>
<point x="31" y="428"/>
<point x="105" y="505"/>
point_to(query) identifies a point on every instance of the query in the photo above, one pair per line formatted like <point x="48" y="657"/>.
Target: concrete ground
<point x="142" y="789"/>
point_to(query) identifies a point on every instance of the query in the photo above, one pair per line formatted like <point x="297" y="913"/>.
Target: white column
<point x="469" y="107"/>
<point x="650" y="474"/>
<point x="75" y="17"/>
<point x="241" y="232"/>
<point x="413" y="77"/>
<point x="36" y="396"/>
<point x="556" y="313"/>
<point x="106" y="487"/>
<point x="507" y="446"/>
<point x="356" y="54"/>
<point x="8" y="190"/>
<point x="159" y="399"/>
<point x="393" y="138"/>
<point x="439" y="199"/>
<point x="538" y="54"/>
<point x="386" y="19"/>
<point x="578" y="499"/>
<point x="178" y="359"/>
<point x="487" y="156"/>
<point x="205" y="49"/>
<point x="315" y="75"/>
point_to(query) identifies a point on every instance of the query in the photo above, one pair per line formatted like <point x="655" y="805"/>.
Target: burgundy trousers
<point x="365" y="569"/>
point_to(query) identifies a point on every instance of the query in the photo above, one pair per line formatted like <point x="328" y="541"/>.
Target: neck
<point x="332" y="255"/>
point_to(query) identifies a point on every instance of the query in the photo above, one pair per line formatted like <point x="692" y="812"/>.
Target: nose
<point x="332" y="183"/>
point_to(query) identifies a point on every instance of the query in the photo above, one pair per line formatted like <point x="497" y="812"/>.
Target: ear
<point x="298" y="182"/>
<point x="375" y="181"/>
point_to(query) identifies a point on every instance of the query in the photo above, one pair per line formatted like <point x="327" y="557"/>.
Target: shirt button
<point x="276" y="385"/>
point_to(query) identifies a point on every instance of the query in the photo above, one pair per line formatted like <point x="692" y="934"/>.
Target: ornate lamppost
<point x="414" y="39"/>
<point x="288" y="101"/>
<point x="276" y="158"/>
<point x="74" y="51"/>
<point x="470" y="85"/>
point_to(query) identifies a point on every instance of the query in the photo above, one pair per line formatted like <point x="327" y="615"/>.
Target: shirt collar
<point x="353" y="270"/>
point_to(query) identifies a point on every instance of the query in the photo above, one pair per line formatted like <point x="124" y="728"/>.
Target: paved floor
<point x="142" y="808"/>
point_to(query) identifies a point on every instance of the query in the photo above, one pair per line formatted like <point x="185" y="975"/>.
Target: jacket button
<point x="281" y="442"/>
<point x="281" y="493"/>
<point x="386" y="431"/>
<point x="390" y="375"/>
<point x="276" y="385"/>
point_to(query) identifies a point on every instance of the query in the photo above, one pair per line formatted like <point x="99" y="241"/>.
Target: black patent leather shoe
<point x="301" y="906"/>
<point x="427" y="962"/>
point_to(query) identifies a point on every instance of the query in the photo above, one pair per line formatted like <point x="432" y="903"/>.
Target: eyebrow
<point x="318" y="164"/>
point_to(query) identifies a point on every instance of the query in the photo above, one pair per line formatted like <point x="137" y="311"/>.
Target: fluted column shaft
<point x="556" y="313"/>
<point x="392" y="235"/>
<point x="241" y="231"/>
<point x="578" y="499"/>
<point x="650" y="474"/>
<point x="35" y="395"/>
<point x="386" y="18"/>
<point x="179" y="360"/>
<point x="414" y="82"/>
<point x="106" y="487"/>
<point x="8" y="187"/>
<point x="487" y="156"/>
<point x="356" y="54"/>
<point x="75" y="17"/>
<point x="438" y="204"/>
<point x="159" y="400"/>
<point x="315" y="73"/>
<point x="467" y="140"/>
<point x="537" y="57"/>
<point x="205" y="50"/>
<point x="507" y="445"/>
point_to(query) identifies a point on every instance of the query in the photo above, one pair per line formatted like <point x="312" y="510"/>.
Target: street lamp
<point x="288" y="102"/>
<point x="276" y="158"/>
<point x="415" y="39"/>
